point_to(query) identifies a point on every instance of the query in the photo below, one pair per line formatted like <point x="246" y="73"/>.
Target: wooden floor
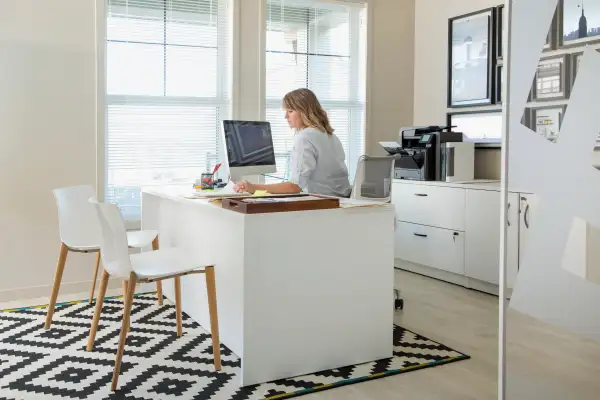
<point x="543" y="362"/>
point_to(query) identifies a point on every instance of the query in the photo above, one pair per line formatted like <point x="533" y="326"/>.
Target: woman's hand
<point x="244" y="186"/>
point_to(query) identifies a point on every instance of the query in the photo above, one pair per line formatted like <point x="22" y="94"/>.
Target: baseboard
<point x="460" y="280"/>
<point x="66" y="288"/>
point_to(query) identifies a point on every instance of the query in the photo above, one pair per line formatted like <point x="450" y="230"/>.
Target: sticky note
<point x="260" y="193"/>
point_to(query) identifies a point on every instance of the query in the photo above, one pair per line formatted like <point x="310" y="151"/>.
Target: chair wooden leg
<point x="214" y="320"/>
<point x="60" y="266"/>
<point x="125" y="283"/>
<point x="94" y="278"/>
<point x="178" y="305"/>
<point x="98" y="311"/>
<point x="124" y="329"/>
<point x="159" y="292"/>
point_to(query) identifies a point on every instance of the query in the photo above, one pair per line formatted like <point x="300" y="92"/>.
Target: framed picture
<point x="547" y="121"/>
<point x="470" y="51"/>
<point x="482" y="127"/>
<point x="579" y="22"/>
<point x="550" y="82"/>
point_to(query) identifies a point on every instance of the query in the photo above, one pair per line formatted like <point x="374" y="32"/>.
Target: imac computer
<point x="249" y="148"/>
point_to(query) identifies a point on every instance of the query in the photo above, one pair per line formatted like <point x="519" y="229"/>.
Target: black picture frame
<point x="498" y="84"/>
<point x="488" y="46"/>
<point x="498" y="31"/>
<point x="571" y="39"/>
<point x="493" y="142"/>
<point x="532" y="120"/>
<point x="563" y="88"/>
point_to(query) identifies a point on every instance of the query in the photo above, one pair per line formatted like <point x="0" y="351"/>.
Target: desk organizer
<point x="285" y="203"/>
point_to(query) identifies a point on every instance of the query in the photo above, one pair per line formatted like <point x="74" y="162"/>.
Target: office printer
<point x="430" y="153"/>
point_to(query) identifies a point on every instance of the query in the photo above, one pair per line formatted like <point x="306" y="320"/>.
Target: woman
<point x="317" y="159"/>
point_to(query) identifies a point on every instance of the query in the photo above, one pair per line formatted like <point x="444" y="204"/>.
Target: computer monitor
<point x="249" y="148"/>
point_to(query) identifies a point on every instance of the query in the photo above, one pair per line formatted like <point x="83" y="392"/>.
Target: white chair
<point x="145" y="267"/>
<point x="79" y="232"/>
<point x="373" y="181"/>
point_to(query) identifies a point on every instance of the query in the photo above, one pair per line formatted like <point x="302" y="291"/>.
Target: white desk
<point x="297" y="292"/>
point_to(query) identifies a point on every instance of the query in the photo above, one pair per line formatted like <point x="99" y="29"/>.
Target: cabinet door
<point x="482" y="246"/>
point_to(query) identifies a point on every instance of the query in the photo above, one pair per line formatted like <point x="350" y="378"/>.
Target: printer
<point x="432" y="153"/>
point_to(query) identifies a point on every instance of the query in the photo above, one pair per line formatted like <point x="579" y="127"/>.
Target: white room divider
<point x="562" y="176"/>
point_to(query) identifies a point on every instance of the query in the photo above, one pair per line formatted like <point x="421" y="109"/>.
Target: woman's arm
<point x="274" y="188"/>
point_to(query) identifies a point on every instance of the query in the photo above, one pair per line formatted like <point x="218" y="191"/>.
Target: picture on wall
<point x="547" y="121"/>
<point x="470" y="59"/>
<point x="580" y="21"/>
<point x="482" y="127"/>
<point x="550" y="79"/>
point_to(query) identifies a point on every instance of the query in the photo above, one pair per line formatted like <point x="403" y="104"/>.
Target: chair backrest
<point x="114" y="247"/>
<point x="373" y="179"/>
<point x="77" y="220"/>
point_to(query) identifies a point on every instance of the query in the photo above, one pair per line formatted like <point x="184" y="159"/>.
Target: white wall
<point x="48" y="120"/>
<point x="47" y="136"/>
<point x="391" y="70"/>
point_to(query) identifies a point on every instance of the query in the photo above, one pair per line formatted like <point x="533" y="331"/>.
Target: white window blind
<point x="320" y="45"/>
<point x="167" y="93"/>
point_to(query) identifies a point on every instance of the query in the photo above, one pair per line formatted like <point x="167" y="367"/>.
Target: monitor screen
<point x="248" y="143"/>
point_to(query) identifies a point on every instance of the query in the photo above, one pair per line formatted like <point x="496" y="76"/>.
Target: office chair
<point x="373" y="181"/>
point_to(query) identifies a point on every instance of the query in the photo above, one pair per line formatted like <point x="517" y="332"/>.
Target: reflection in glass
<point x="547" y="122"/>
<point x="479" y="127"/>
<point x="469" y="58"/>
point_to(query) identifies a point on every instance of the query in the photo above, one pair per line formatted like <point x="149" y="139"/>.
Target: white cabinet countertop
<point x="478" y="184"/>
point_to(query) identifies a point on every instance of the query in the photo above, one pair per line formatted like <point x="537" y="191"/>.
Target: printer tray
<point x="271" y="204"/>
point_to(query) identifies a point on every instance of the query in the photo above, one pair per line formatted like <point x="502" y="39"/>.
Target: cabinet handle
<point x="525" y="216"/>
<point x="507" y="218"/>
<point x="421" y="194"/>
<point x="420" y="235"/>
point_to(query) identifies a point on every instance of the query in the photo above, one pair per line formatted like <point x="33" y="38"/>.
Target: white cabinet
<point x="482" y="245"/>
<point x="433" y="247"/>
<point x="482" y="249"/>
<point x="438" y="206"/>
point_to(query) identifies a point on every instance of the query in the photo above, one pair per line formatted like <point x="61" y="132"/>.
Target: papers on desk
<point x="351" y="203"/>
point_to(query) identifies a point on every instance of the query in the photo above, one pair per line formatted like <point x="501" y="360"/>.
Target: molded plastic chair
<point x="145" y="267"/>
<point x="80" y="232"/>
<point x="373" y="181"/>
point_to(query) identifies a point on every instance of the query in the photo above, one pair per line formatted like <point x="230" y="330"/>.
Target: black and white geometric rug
<point x="53" y="364"/>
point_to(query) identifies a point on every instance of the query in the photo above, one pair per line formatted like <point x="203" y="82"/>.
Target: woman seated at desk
<point x="317" y="159"/>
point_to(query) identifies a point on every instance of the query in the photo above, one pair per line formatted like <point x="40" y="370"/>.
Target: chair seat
<point x="136" y="239"/>
<point x="163" y="263"/>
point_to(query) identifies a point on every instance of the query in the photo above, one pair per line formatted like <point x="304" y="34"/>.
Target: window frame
<point x="354" y="102"/>
<point x="222" y="99"/>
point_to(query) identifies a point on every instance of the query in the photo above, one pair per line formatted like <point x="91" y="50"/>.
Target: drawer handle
<point x="421" y="194"/>
<point x="420" y="234"/>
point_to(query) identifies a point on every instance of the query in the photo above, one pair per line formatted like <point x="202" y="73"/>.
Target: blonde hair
<point x="307" y="105"/>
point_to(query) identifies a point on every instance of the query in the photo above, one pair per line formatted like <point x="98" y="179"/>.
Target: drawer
<point x="436" y="206"/>
<point x="433" y="247"/>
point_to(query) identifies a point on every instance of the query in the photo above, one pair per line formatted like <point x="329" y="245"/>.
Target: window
<point x="321" y="45"/>
<point x="167" y="91"/>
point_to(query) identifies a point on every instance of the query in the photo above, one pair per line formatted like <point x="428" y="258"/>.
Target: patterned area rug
<point x="53" y="364"/>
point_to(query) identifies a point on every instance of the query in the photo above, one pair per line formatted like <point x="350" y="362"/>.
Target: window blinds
<point x="167" y="93"/>
<point x="321" y="45"/>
